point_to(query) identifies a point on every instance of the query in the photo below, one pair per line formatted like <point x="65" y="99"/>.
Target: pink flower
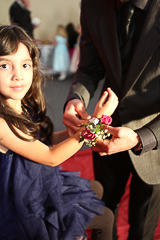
<point x="88" y="134"/>
<point x="106" y="119"/>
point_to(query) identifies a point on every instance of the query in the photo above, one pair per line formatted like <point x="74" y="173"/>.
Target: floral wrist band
<point x="93" y="130"/>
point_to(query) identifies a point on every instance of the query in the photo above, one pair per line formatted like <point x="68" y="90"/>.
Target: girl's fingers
<point x="103" y="98"/>
<point x="112" y="97"/>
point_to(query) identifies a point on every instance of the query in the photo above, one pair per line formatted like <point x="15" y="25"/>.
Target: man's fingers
<point x="82" y="112"/>
<point x="102" y="154"/>
<point x="73" y="122"/>
<point x="70" y="131"/>
<point x="112" y="130"/>
<point x="100" y="146"/>
<point x="76" y="107"/>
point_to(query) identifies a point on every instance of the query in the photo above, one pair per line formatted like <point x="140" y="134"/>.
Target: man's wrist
<point x="138" y="148"/>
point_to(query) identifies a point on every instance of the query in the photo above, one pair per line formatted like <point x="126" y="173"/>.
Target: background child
<point x="61" y="58"/>
<point x="75" y="54"/>
<point x="72" y="37"/>
<point x="37" y="200"/>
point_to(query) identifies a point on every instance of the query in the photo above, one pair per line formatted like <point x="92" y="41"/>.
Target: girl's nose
<point x="17" y="74"/>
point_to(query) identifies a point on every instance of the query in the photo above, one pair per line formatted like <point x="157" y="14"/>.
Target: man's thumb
<point x="84" y="115"/>
<point x="111" y="130"/>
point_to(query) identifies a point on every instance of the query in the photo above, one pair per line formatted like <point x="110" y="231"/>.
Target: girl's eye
<point x="26" y="65"/>
<point x="4" y="66"/>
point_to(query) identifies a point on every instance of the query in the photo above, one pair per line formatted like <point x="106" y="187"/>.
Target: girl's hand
<point x="107" y="104"/>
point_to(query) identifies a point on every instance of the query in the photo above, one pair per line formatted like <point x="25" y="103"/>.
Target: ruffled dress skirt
<point x="39" y="202"/>
<point x="61" y="58"/>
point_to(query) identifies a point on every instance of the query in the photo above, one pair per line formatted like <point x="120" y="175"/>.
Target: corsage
<point x="93" y="130"/>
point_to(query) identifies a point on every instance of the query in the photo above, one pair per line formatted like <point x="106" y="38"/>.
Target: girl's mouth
<point x="18" y="88"/>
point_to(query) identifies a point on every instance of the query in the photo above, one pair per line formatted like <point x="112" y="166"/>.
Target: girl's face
<point x="16" y="74"/>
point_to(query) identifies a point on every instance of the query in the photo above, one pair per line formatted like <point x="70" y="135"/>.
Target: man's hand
<point x="74" y="116"/>
<point x="123" y="139"/>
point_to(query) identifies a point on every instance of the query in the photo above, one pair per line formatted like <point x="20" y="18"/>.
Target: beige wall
<point x="51" y="13"/>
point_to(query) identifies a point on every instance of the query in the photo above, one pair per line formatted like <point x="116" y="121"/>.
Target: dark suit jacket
<point x="139" y="96"/>
<point x="21" y="17"/>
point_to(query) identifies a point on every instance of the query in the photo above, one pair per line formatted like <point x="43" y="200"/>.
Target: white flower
<point x="91" y="127"/>
<point x="94" y="120"/>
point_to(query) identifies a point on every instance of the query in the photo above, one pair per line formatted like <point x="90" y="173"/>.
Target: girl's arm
<point x="58" y="137"/>
<point x="38" y="151"/>
<point x="41" y="153"/>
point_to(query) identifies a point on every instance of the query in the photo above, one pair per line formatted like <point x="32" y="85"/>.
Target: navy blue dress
<point x="39" y="202"/>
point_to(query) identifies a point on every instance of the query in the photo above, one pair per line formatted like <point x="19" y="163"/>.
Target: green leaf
<point x="81" y="140"/>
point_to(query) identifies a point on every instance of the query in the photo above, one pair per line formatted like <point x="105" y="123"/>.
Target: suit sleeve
<point x="154" y="127"/>
<point x="90" y="68"/>
<point x="150" y="136"/>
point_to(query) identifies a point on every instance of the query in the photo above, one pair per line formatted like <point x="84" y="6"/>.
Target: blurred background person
<point x="75" y="55"/>
<point x="72" y="38"/>
<point x="61" y="58"/>
<point x="20" y="15"/>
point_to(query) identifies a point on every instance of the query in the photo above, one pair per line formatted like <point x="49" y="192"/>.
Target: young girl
<point x="37" y="200"/>
<point x="61" y="58"/>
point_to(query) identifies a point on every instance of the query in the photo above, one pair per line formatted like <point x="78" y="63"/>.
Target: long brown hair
<point x="36" y="123"/>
